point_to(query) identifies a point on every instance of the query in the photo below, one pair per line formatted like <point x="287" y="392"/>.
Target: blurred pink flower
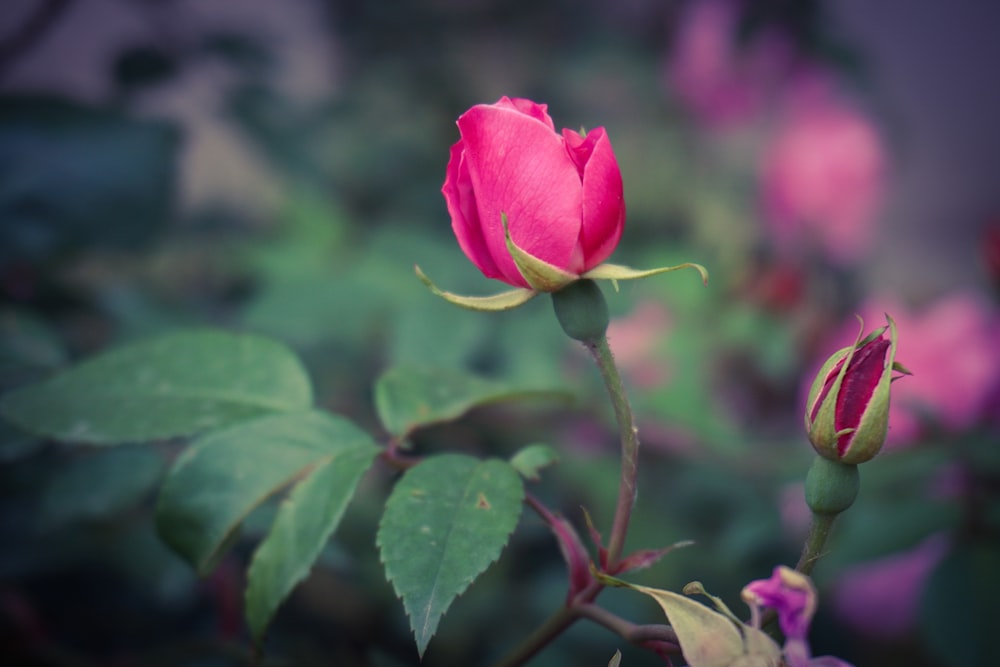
<point x="720" y="81"/>
<point x="822" y="175"/>
<point x="635" y="341"/>
<point x="881" y="598"/>
<point x="951" y="346"/>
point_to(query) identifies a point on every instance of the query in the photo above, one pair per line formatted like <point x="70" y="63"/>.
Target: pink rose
<point x="561" y="193"/>
<point x="822" y="177"/>
<point x="847" y="416"/>
<point x="951" y="347"/>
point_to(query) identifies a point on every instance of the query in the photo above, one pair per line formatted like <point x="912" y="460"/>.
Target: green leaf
<point x="170" y="386"/>
<point x="446" y="521"/>
<point x="531" y="459"/>
<point x="225" y="474"/>
<point x="407" y="398"/>
<point x="304" y="523"/>
<point x="99" y="484"/>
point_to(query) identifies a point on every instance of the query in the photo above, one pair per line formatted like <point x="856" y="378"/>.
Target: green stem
<point x="812" y="550"/>
<point x="583" y="316"/>
<point x="815" y="544"/>
<point x="629" y="435"/>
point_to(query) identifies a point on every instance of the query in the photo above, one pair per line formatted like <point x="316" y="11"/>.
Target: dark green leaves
<point x="226" y="474"/>
<point x="170" y="386"/>
<point x="249" y="404"/>
<point x="407" y="397"/>
<point x="304" y="523"/>
<point x="447" y="519"/>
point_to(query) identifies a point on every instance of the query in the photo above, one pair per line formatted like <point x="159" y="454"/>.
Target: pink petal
<point x="529" y="108"/>
<point x="863" y="375"/>
<point x="520" y="167"/>
<point x="465" y="222"/>
<point x="603" y="200"/>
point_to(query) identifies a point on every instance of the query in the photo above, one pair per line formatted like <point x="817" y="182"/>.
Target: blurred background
<point x="276" y="168"/>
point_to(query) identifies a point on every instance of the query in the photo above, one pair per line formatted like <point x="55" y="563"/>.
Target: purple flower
<point x="793" y="596"/>
<point x="788" y="592"/>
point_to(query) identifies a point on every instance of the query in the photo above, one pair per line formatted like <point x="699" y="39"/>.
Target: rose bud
<point x="531" y="207"/>
<point x="847" y="414"/>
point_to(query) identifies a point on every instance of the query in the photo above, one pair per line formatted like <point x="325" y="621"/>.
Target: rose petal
<point x="461" y="201"/>
<point x="519" y="166"/>
<point x="528" y="107"/>
<point x="863" y="375"/>
<point x="603" y="201"/>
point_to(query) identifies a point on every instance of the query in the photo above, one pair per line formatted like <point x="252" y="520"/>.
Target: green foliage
<point x="226" y="474"/>
<point x="530" y="460"/>
<point x="447" y="519"/>
<point x="407" y="398"/>
<point x="307" y="517"/>
<point x="170" y="386"/>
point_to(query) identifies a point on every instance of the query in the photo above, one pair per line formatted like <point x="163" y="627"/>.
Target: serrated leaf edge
<point x="310" y="562"/>
<point x="423" y="642"/>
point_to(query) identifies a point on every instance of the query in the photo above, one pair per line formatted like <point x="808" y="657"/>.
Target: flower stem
<point x="629" y="435"/>
<point x="815" y="544"/>
<point x="636" y="634"/>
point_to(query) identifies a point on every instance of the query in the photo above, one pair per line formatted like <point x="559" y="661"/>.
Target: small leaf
<point x="446" y="521"/>
<point x="170" y="386"/>
<point x="408" y="397"/>
<point x="530" y="460"/>
<point x="304" y="523"/>
<point x="225" y="474"/>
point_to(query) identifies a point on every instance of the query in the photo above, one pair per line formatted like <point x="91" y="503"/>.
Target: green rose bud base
<point x="831" y="486"/>
<point x="581" y="310"/>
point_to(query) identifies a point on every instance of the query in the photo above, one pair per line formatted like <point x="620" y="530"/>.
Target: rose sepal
<point x="542" y="276"/>
<point x="497" y="302"/>
<point x="616" y="272"/>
